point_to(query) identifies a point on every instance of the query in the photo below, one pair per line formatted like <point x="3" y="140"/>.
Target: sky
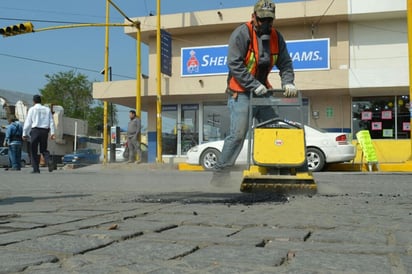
<point x="26" y="59"/>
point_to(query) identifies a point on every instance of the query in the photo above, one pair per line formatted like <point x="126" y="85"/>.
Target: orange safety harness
<point x="252" y="58"/>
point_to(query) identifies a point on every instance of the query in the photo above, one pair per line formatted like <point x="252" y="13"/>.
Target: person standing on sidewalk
<point x="254" y="49"/>
<point x="38" y="124"/>
<point x="133" y="132"/>
<point x="14" y="140"/>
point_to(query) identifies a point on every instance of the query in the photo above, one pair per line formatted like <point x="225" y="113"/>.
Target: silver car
<point x="4" y="157"/>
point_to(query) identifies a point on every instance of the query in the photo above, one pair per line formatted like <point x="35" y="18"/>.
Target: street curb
<point x="187" y="167"/>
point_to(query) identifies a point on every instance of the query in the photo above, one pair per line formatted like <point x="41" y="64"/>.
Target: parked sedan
<point x="321" y="147"/>
<point x="4" y="157"/>
<point x="84" y="156"/>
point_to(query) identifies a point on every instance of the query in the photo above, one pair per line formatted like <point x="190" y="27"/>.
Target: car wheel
<point x="209" y="158"/>
<point x="316" y="159"/>
<point x="23" y="164"/>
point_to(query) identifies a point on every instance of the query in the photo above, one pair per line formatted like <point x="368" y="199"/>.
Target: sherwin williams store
<point x="338" y="59"/>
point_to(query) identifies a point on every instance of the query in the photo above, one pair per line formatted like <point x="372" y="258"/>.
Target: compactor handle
<point x="275" y="91"/>
<point x="275" y="97"/>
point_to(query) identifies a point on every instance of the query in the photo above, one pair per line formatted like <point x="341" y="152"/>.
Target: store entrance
<point x="189" y="129"/>
<point x="180" y="128"/>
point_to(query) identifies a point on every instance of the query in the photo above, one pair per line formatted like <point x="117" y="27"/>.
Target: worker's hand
<point x="25" y="138"/>
<point x="290" y="90"/>
<point x="52" y="136"/>
<point x="261" y="90"/>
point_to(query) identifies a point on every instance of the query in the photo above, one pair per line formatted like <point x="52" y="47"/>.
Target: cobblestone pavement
<point x="154" y="219"/>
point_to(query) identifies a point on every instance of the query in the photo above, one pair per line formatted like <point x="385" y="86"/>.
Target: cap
<point x="265" y="9"/>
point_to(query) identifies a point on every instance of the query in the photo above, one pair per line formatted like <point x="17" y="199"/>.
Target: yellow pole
<point x="106" y="79"/>
<point x="138" y="77"/>
<point x="138" y="71"/>
<point x="409" y="16"/>
<point x="159" y="91"/>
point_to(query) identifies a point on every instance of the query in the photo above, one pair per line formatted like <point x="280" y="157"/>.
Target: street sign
<point x="166" y="52"/>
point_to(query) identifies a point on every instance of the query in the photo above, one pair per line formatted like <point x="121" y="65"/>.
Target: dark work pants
<point x="38" y="137"/>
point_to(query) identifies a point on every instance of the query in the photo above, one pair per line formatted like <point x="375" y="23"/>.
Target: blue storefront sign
<point x="310" y="54"/>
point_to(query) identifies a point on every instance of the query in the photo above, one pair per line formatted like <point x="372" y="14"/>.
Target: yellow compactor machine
<point x="276" y="150"/>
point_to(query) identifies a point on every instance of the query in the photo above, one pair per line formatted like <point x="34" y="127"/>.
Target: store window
<point x="169" y="129"/>
<point x="386" y="117"/>
<point x="216" y="122"/>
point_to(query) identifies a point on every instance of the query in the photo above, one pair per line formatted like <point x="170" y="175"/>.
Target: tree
<point x="95" y="119"/>
<point x="71" y="91"/>
<point x="74" y="93"/>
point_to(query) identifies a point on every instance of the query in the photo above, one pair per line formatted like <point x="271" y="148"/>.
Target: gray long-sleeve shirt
<point x="238" y="48"/>
<point x="133" y="128"/>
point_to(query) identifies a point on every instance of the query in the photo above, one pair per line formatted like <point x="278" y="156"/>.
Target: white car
<point x="322" y="147"/>
<point x="119" y="154"/>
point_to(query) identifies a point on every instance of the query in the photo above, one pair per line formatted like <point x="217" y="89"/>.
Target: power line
<point x="323" y="15"/>
<point x="60" y="65"/>
<point x="43" y="21"/>
<point x="54" y="12"/>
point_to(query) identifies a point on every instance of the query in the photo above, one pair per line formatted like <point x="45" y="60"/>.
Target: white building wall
<point x="372" y="6"/>
<point x="378" y="53"/>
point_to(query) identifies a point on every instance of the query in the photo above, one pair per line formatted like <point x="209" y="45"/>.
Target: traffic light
<point x="25" y="27"/>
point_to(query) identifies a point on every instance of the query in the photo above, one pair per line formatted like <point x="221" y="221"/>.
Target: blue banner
<point x="310" y="54"/>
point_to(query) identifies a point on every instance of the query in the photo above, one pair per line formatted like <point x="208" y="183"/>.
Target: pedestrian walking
<point x="38" y="124"/>
<point x="254" y="49"/>
<point x="133" y="143"/>
<point x="13" y="141"/>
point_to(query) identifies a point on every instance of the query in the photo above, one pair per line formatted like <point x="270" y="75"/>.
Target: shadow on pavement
<point x="211" y="198"/>
<point x="29" y="199"/>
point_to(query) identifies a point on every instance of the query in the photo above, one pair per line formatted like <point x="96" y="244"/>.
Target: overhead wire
<point x="59" y="64"/>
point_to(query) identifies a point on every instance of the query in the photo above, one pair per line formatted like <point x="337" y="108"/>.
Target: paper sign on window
<point x="366" y="115"/>
<point x="387" y="133"/>
<point x="376" y="125"/>
<point x="386" y="115"/>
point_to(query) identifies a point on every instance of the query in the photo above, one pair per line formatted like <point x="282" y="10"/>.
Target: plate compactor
<point x="276" y="160"/>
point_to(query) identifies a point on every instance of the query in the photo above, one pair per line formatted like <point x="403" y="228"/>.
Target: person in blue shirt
<point x="14" y="140"/>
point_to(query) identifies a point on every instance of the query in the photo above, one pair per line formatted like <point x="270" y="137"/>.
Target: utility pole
<point x="409" y="19"/>
<point x="159" y="89"/>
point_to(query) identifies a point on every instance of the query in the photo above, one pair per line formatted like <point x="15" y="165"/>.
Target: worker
<point x="254" y="49"/>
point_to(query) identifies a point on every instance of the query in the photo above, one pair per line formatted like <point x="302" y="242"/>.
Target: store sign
<point x="310" y="54"/>
<point x="169" y="107"/>
<point x="166" y="52"/>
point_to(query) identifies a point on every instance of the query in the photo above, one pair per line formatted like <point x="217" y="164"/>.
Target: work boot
<point x="221" y="177"/>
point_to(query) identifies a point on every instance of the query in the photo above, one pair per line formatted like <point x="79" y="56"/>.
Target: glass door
<point x="189" y="129"/>
<point x="169" y="129"/>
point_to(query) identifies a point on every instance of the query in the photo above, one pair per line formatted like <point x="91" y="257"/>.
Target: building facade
<point x="350" y="59"/>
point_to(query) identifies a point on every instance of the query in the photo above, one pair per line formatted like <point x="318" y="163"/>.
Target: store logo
<point x="192" y="64"/>
<point x="279" y="142"/>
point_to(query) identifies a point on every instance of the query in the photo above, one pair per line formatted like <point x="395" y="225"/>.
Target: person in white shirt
<point x="38" y="124"/>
